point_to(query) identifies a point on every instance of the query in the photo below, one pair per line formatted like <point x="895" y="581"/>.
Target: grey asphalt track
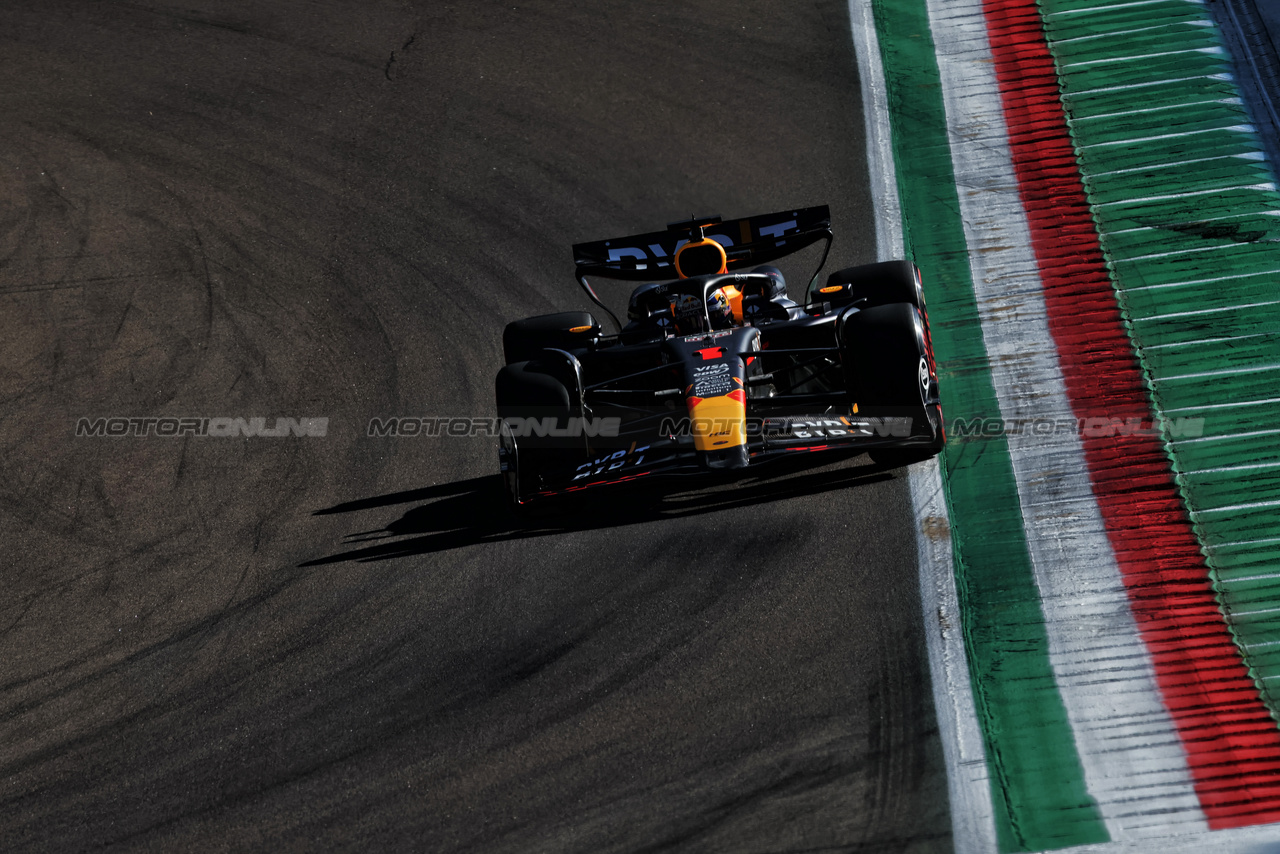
<point x="330" y="209"/>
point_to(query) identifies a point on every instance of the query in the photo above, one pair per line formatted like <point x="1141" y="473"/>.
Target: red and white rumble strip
<point x="1178" y="751"/>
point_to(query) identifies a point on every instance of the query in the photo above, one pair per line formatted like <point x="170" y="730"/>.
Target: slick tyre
<point x="527" y="395"/>
<point x="886" y="357"/>
<point x="877" y="284"/>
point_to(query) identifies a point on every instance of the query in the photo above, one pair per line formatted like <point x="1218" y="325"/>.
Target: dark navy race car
<point x="716" y="368"/>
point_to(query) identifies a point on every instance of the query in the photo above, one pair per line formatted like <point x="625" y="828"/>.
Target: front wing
<point x="769" y="439"/>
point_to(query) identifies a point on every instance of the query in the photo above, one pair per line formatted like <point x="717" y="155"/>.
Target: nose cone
<point x="723" y="460"/>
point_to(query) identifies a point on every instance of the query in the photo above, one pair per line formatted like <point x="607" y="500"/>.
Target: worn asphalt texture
<point x="330" y="209"/>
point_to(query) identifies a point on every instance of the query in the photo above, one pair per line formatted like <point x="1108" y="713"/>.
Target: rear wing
<point x="747" y="242"/>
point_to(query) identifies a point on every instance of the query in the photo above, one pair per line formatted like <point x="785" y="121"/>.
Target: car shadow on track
<point x="476" y="510"/>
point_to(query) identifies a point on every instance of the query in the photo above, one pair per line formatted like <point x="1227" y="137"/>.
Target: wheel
<point x="886" y="357"/>
<point x="523" y="340"/>
<point x="879" y="284"/>
<point x="526" y="394"/>
<point x="890" y="375"/>
<point x="509" y="464"/>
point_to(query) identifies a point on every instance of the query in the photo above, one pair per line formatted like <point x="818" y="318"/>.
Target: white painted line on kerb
<point x="1201" y="311"/>
<point x="1205" y="407"/>
<point x="968" y="777"/>
<point x="1196" y="342"/>
<point x="1227" y="437"/>
<point x="1248" y="612"/>
<point x="1194" y="282"/>
<point x="1134" y="763"/>
<point x="1213" y="51"/>
<point x="1224" y="372"/>
<point x="1143" y="111"/>
<point x="1221" y="75"/>
<point x="1092" y="9"/>
<point x="1247" y="130"/>
<point x="1245" y="579"/>
<point x="1134" y="259"/>
<point x="1267" y="187"/>
<point x="1262" y="542"/>
<point x="1243" y="155"/>
<point x="1235" y="508"/>
<point x="1240" y="467"/>
<point x="1110" y="34"/>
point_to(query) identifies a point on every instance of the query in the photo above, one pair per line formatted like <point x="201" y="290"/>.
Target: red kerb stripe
<point x="1232" y="743"/>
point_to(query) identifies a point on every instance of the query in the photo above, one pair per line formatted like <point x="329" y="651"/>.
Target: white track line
<point x="968" y="780"/>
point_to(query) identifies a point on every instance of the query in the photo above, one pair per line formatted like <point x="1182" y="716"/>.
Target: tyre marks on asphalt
<point x="267" y="225"/>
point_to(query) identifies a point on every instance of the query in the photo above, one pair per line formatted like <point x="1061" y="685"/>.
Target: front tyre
<point x="509" y="463"/>
<point x="886" y="358"/>
<point x="889" y="371"/>
<point x="527" y="395"/>
<point x="523" y="340"/>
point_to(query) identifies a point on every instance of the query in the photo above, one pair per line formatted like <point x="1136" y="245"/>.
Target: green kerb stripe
<point x="1038" y="787"/>
<point x="1196" y="265"/>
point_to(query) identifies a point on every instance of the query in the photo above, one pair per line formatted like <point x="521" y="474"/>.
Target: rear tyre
<point x="878" y="284"/>
<point x="523" y="340"/>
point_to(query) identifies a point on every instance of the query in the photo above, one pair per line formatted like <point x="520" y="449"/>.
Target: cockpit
<point x="677" y="308"/>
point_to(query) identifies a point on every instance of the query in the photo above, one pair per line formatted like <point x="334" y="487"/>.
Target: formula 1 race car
<point x="716" y="368"/>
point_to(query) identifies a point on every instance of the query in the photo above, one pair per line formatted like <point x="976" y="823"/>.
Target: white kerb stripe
<point x="1134" y="763"/>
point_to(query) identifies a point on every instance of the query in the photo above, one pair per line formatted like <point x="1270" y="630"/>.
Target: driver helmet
<point x="719" y="309"/>
<point x="691" y="317"/>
